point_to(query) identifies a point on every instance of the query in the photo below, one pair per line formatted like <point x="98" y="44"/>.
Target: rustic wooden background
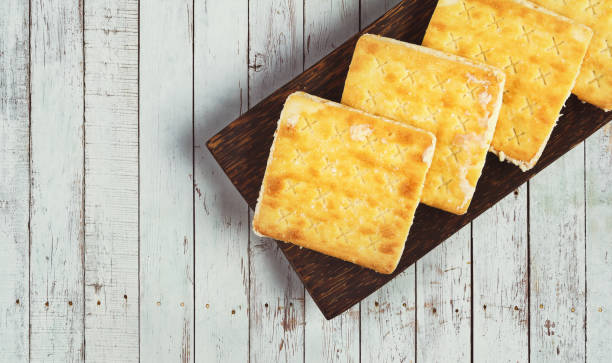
<point x="122" y="240"/>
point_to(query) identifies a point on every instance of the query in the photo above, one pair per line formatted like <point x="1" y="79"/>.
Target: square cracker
<point x="456" y="99"/>
<point x="342" y="182"/>
<point x="594" y="84"/>
<point x="540" y="51"/>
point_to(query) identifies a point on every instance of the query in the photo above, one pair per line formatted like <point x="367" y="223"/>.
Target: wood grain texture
<point x="444" y="301"/>
<point x="373" y="9"/>
<point x="276" y="305"/>
<point x="221" y="216"/>
<point x="166" y="181"/>
<point x="388" y="321"/>
<point x="14" y="181"/>
<point x="598" y="245"/>
<point x="327" y="24"/>
<point x="111" y="180"/>
<point x="242" y="149"/>
<point x="276" y="296"/>
<point x="500" y="281"/>
<point x="56" y="260"/>
<point x="557" y="258"/>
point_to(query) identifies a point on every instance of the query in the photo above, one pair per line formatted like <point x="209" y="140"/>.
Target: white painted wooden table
<point x="122" y="240"/>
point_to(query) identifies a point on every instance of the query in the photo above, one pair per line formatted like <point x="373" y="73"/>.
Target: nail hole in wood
<point x="375" y="303"/>
<point x="516" y="192"/>
<point x="17" y="301"/>
<point x="573" y="310"/>
<point x="456" y="310"/>
<point x="98" y="302"/>
<point x="207" y="306"/>
<point x="541" y="306"/>
<point x="266" y="304"/>
<point x="600" y="309"/>
<point x="233" y="312"/>
<point x="515" y="307"/>
<point x="158" y="303"/>
<point x="404" y="304"/>
<point x="70" y="303"/>
<point x="125" y="297"/>
<point x="46" y="303"/>
<point x="182" y="304"/>
<point x="484" y="307"/>
<point x="434" y="310"/>
<point x="290" y="304"/>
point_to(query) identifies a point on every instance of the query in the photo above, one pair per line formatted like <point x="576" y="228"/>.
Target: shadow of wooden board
<point x="242" y="150"/>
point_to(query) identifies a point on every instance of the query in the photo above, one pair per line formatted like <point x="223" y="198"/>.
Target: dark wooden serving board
<point x="242" y="150"/>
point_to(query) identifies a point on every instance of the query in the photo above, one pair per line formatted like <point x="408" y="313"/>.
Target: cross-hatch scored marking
<point x="309" y="123"/>
<point x="592" y="6"/>
<point x="409" y="74"/>
<point x="381" y="66"/>
<point x="463" y="121"/>
<point x="454" y="152"/>
<point x="483" y="53"/>
<point x="329" y="164"/>
<point x="542" y="76"/>
<point x="292" y="186"/>
<point x="529" y="105"/>
<point x="373" y="242"/>
<point x="381" y="213"/>
<point x="556" y="45"/>
<point x="466" y="10"/>
<point x="517" y="136"/>
<point x="512" y="65"/>
<point x="321" y="195"/>
<point x="391" y="180"/>
<point x="344" y="235"/>
<point x="399" y="153"/>
<point x="370" y="140"/>
<point x="454" y="40"/>
<point x="470" y="91"/>
<point x="495" y="22"/>
<point x="299" y="157"/>
<point x="607" y="48"/>
<point x="440" y="83"/>
<point x="284" y="216"/>
<point x="314" y="226"/>
<point x="340" y="133"/>
<point x="370" y="98"/>
<point x="432" y="115"/>
<point x="596" y="78"/>
<point x="526" y="33"/>
<point x="402" y="106"/>
<point x="445" y="183"/>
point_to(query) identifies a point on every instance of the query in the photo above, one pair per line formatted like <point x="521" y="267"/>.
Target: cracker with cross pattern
<point x="454" y="98"/>
<point x="541" y="53"/>
<point x="343" y="182"/>
<point x="594" y="84"/>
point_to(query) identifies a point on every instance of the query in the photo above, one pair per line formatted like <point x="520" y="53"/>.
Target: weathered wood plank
<point x="557" y="258"/>
<point x="328" y="24"/>
<point x="221" y="216"/>
<point x="166" y="181"/>
<point x="111" y="180"/>
<point x="388" y="321"/>
<point x="388" y="317"/>
<point x="56" y="260"/>
<point x="443" y="301"/>
<point x="599" y="245"/>
<point x="14" y="181"/>
<point x="276" y="305"/>
<point x="500" y="281"/>
<point x="276" y="301"/>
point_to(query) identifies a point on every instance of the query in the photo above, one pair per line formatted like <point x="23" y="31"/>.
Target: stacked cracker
<point x="415" y="123"/>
